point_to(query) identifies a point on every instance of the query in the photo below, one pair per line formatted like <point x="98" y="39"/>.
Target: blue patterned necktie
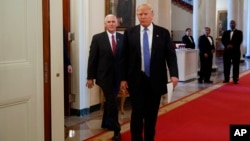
<point x="146" y="53"/>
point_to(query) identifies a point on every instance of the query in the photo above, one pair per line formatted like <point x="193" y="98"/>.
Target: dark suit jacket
<point x="102" y="64"/>
<point x="162" y="53"/>
<point x="205" y="46"/>
<point x="235" y="41"/>
<point x="187" y="41"/>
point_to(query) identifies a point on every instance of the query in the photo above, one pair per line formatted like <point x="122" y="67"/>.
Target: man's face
<point x="188" y="32"/>
<point x="111" y="24"/>
<point x="207" y="31"/>
<point x="145" y="16"/>
<point x="232" y="24"/>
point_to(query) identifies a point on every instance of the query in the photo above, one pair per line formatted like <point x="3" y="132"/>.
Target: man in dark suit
<point x="188" y="39"/>
<point x="206" y="47"/>
<point x="232" y="39"/>
<point x="104" y="68"/>
<point x="144" y="73"/>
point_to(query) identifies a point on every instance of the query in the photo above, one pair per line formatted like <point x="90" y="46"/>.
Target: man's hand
<point x="123" y="85"/>
<point x="213" y="51"/>
<point x="70" y="69"/>
<point x="229" y="46"/>
<point x="90" y="83"/>
<point x="205" y="55"/>
<point x="174" y="80"/>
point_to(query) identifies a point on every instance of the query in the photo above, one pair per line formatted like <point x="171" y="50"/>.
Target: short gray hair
<point x="109" y="15"/>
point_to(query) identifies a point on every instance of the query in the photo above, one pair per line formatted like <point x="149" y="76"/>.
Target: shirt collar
<point x="109" y="34"/>
<point x="150" y="27"/>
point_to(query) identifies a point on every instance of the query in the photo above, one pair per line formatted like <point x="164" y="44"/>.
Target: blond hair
<point x="149" y="6"/>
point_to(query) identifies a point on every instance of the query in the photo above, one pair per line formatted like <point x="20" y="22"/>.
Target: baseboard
<point x="86" y="111"/>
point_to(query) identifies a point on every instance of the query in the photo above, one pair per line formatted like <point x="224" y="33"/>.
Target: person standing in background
<point x="147" y="52"/>
<point x="188" y="39"/>
<point x="206" y="47"/>
<point x="66" y="59"/>
<point x="66" y="70"/>
<point x="103" y="66"/>
<point x="232" y="39"/>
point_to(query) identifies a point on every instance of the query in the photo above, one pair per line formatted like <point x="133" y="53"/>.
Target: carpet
<point x="205" y="115"/>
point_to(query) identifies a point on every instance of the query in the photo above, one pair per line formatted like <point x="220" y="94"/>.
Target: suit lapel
<point x="228" y="34"/>
<point x="138" y="39"/>
<point x="118" y="42"/>
<point x="234" y="33"/>
<point x="155" y="38"/>
<point x="106" y="42"/>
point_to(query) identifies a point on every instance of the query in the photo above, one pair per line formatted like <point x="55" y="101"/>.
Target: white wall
<point x="96" y="25"/>
<point x="181" y="19"/>
<point x="221" y="4"/>
<point x="87" y="19"/>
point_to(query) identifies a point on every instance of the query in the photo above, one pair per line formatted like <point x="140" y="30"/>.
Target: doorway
<point x="68" y="97"/>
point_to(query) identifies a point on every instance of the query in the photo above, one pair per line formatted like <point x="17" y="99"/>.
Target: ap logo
<point x="239" y="132"/>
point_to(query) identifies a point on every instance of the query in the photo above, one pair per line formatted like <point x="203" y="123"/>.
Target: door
<point x="21" y="71"/>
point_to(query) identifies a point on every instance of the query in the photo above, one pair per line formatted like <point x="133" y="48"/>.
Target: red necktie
<point x="113" y="44"/>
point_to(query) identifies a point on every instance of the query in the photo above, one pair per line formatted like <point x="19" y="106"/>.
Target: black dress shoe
<point x="208" y="81"/>
<point x="116" y="137"/>
<point x="225" y="81"/>
<point x="200" y="81"/>
<point x="236" y="82"/>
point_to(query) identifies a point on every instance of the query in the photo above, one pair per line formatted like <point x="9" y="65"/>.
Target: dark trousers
<point x="231" y="58"/>
<point x="205" y="67"/>
<point x="145" y="105"/>
<point x="110" y="115"/>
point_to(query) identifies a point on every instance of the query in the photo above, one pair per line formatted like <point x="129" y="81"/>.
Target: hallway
<point x="81" y="128"/>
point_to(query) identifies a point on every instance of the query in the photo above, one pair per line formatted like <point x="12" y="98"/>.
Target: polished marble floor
<point x="81" y="128"/>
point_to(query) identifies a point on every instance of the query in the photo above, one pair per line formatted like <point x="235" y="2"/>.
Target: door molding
<point x="47" y="70"/>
